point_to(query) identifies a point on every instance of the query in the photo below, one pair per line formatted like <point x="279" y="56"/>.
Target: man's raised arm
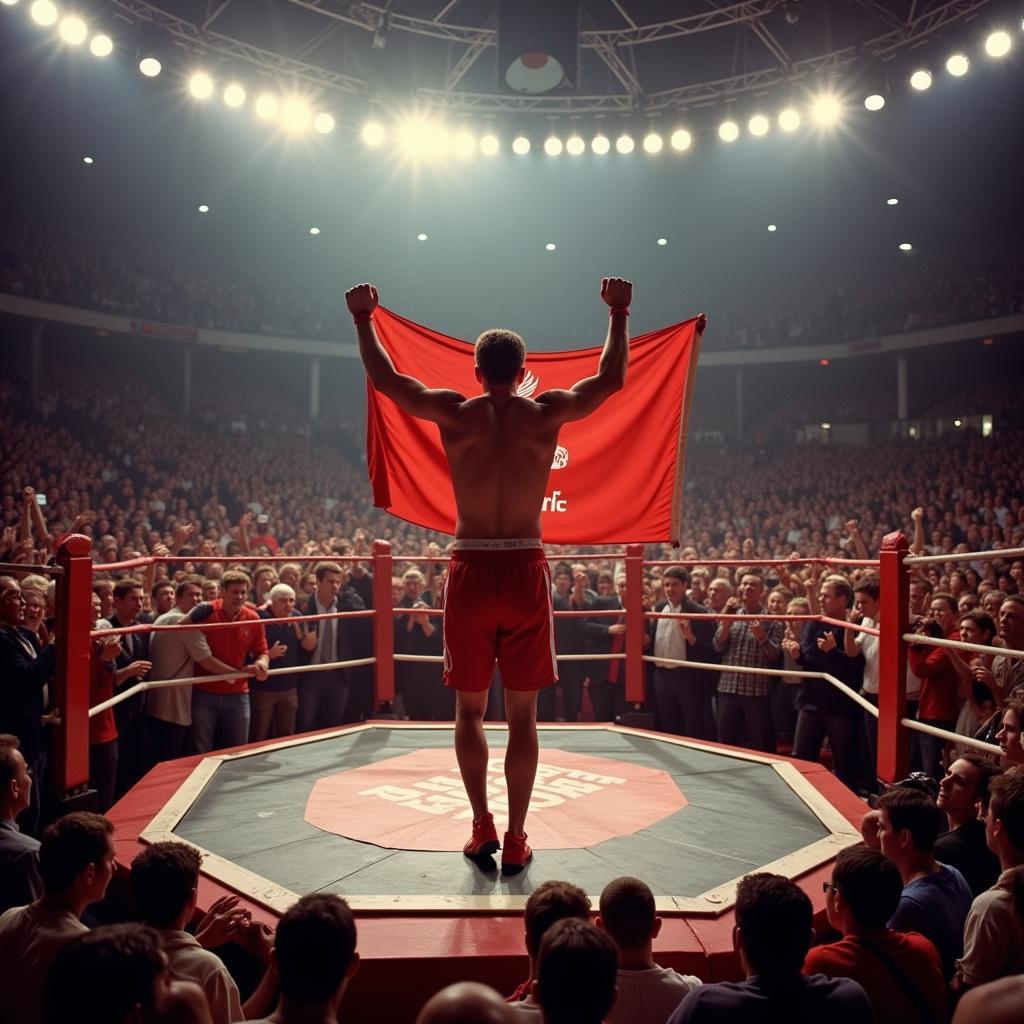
<point x="407" y="392"/>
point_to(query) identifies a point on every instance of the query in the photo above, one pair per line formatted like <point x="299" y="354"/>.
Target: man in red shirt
<point x="900" y="971"/>
<point x="225" y="703"/>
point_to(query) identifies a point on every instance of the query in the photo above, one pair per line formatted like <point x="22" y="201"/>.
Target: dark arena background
<point x="833" y="610"/>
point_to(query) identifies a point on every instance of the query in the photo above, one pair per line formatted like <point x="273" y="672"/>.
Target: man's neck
<point x="921" y="866"/>
<point x="63" y="902"/>
<point x="9" y="814"/>
<point x="956" y="820"/>
<point x="636" y="959"/>
<point x="290" y="1013"/>
<point x="1010" y="858"/>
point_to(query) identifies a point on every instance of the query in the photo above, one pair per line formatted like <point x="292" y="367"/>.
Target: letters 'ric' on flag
<point x="617" y="475"/>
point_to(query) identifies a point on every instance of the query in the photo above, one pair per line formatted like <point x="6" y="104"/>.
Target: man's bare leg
<point x="520" y="756"/>
<point x="471" y="747"/>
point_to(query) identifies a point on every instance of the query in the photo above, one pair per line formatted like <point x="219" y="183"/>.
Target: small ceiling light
<point x="874" y="102"/>
<point x="826" y="426"/>
<point x="958" y="423"/>
<point x="372" y="133"/>
<point x="728" y="131"/>
<point x="323" y="123"/>
<point x="892" y="202"/>
<point x="575" y="146"/>
<point x="662" y="241"/>
<point x="550" y="247"/>
<point x="43" y="12"/>
<point x="200" y="85"/>
<point x="203" y="208"/>
<point x="758" y="125"/>
<point x="680" y="140"/>
<point x="998" y="44"/>
<point x="314" y="231"/>
<point x="266" y="107"/>
<point x="150" y="67"/>
<point x="234" y="95"/>
<point x="624" y="144"/>
<point x="773" y="227"/>
<point x="489" y="145"/>
<point x="789" y="119"/>
<point x="653" y="143"/>
<point x="905" y="247"/>
<point x="86" y="159"/>
<point x="421" y="237"/>
<point x="101" y="45"/>
<point x="921" y="80"/>
<point x="600" y="144"/>
<point x="553" y="145"/>
<point x="823" y="362"/>
<point x="520" y="145"/>
<point x="958" y="65"/>
<point x="73" y="30"/>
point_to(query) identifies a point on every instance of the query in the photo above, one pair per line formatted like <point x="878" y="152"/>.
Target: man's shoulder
<point x="171" y="618"/>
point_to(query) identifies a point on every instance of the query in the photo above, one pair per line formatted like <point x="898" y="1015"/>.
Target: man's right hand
<point x="361" y="299"/>
<point x="616" y="291"/>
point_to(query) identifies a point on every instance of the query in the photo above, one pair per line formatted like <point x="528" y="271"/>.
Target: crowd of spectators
<point x="140" y="279"/>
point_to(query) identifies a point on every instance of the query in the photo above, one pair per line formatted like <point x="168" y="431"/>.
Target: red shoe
<point x="484" y="840"/>
<point x="515" y="853"/>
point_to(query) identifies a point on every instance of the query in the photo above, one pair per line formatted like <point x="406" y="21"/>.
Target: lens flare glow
<point x="150" y="67"/>
<point x="600" y="144"/>
<point x="758" y="125"/>
<point x="234" y="94"/>
<point x="73" y="30"/>
<point x="101" y="45"/>
<point x="200" y="85"/>
<point x="267" y="106"/>
<point x="575" y="146"/>
<point x="998" y="44"/>
<point x="372" y="133"/>
<point x="489" y="145"/>
<point x="553" y="145"/>
<point x="464" y="145"/>
<point x="680" y="140"/>
<point x="295" y="115"/>
<point x="43" y="12"/>
<point x="520" y="145"/>
<point x="653" y="143"/>
<point x="874" y="102"/>
<point x="624" y="144"/>
<point x="728" y="131"/>
<point x="826" y="111"/>
<point x="958" y="65"/>
<point x="323" y="123"/>
<point x="789" y="119"/>
<point x="921" y="80"/>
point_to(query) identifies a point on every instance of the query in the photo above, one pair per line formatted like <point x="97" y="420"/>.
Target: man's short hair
<point x="916" y="812"/>
<point x="235" y="576"/>
<point x="577" y="968"/>
<point x="413" y="574"/>
<point x="676" y="572"/>
<point x="321" y="569"/>
<point x="987" y="770"/>
<point x="942" y="595"/>
<point x="870" y="885"/>
<point x="774" y="917"/>
<point x="9" y="766"/>
<point x="628" y="913"/>
<point x="869" y="585"/>
<point x="313" y="947"/>
<point x="750" y="570"/>
<point x="162" y="879"/>
<point x="123" y="587"/>
<point x="189" y="580"/>
<point x="922" y="581"/>
<point x="500" y="354"/>
<point x="160" y="585"/>
<point x="100" y="976"/>
<point x="1015" y="598"/>
<point x="551" y="902"/>
<point x="1007" y="804"/>
<point x="840" y="584"/>
<point x="984" y="621"/>
<point x="280" y="590"/>
<point x="69" y="845"/>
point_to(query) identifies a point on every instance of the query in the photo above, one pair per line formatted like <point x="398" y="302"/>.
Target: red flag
<point x="617" y="475"/>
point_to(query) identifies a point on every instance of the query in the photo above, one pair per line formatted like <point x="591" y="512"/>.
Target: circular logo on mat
<point x="416" y="801"/>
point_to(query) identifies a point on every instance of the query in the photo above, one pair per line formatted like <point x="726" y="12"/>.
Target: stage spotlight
<point x="550" y="247"/>
<point x="826" y="111"/>
<point x="773" y="227"/>
<point x="421" y="237"/>
<point x="323" y="123"/>
<point x="464" y="145"/>
<point x="101" y="45"/>
<point x="758" y="125"/>
<point x="892" y="202"/>
<point x="234" y="94"/>
<point x="653" y="142"/>
<point x="373" y="133"/>
<point x="875" y="101"/>
<point x="153" y="49"/>
<point x="662" y="241"/>
<point x="200" y="85"/>
<point x="73" y="30"/>
<point x="314" y="231"/>
<point x="789" y="119"/>
<point x="423" y="139"/>
<point x="520" y="145"/>
<point x="624" y="144"/>
<point x="998" y="44"/>
<point x="489" y="145"/>
<point x="295" y="114"/>
<point x="728" y="131"/>
<point x="266" y="107"/>
<point x="921" y="80"/>
<point x="905" y="247"/>
<point x="86" y="159"/>
<point x="43" y="12"/>
<point x="574" y="146"/>
<point x="553" y="145"/>
<point x="8" y="3"/>
<point x="600" y="144"/>
<point x="150" y="67"/>
<point x="680" y="139"/>
<point x="203" y="208"/>
<point x="958" y="65"/>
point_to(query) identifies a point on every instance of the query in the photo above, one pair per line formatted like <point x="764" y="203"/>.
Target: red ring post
<point x="635" y="623"/>
<point x="73" y="614"/>
<point x="383" y="625"/>
<point x="894" y="620"/>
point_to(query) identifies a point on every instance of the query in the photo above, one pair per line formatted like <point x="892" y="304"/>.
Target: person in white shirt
<point x="865" y="613"/>
<point x="646" y="991"/>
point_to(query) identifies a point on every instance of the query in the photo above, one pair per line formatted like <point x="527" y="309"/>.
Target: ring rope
<point x="41" y="570"/>
<point x="961" y="645"/>
<point x="952" y="737"/>
<point x="148" y="627"/>
<point x="964" y="556"/>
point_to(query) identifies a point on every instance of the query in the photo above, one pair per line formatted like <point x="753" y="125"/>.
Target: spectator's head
<point x="162" y="596"/>
<point x="942" y="608"/>
<point x="977" y="627"/>
<point x="234" y="590"/>
<point x="314" y="950"/>
<point x="751" y="589"/>
<point x="778" y="600"/>
<point x="1011" y="621"/>
<point x="412" y="584"/>
<point x="164" y="878"/>
<point x="965" y="786"/>
<point x="719" y="592"/>
<point x="291" y="574"/>
<point x="835" y="595"/>
<point x="500" y="356"/>
<point x="466" y="1002"/>
<point x="1004" y="820"/>
<point x="773" y="924"/>
<point x="188" y="592"/>
<point x="15" y="778"/>
<point x="114" y="974"/>
<point x="211" y="590"/>
<point x="577" y="967"/>
<point x="105" y="589"/>
<point x="864" y="892"/>
<point x="1009" y="736"/>
<point x="263" y="579"/>
<point x="992" y="602"/>
<point x="605" y="584"/>
<point x="909" y="825"/>
<point x="865" y="597"/>
<point x="76" y="857"/>
<point x="12" y="602"/>
<point x="675" y="580"/>
<point x="920" y="592"/>
<point x="548" y="903"/>
<point x="282" y="600"/>
<point x="330" y="578"/>
<point x="627" y="914"/>
<point x="128" y="598"/>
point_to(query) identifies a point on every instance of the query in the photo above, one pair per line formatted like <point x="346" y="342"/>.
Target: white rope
<point x="964" y="556"/>
<point x="951" y="737"/>
<point x="960" y="645"/>
<point x="160" y="684"/>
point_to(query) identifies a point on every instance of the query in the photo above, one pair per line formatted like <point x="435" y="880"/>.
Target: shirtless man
<point x="497" y="600"/>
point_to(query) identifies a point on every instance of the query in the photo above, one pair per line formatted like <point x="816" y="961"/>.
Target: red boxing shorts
<point x="497" y="606"/>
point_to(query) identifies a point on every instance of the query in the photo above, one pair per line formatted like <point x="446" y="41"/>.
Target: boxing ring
<point x="376" y="812"/>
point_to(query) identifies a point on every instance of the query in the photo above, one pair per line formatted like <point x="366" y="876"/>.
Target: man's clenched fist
<point x="616" y="291"/>
<point x="361" y="299"/>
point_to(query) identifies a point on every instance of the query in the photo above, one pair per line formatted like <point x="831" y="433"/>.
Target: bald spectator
<point x="576" y="973"/>
<point x="20" y="881"/>
<point x="466" y="1002"/>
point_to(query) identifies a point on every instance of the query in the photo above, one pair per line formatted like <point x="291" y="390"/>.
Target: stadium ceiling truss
<point x="885" y="31"/>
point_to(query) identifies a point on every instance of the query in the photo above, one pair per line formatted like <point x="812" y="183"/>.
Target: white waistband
<point x="497" y="544"/>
